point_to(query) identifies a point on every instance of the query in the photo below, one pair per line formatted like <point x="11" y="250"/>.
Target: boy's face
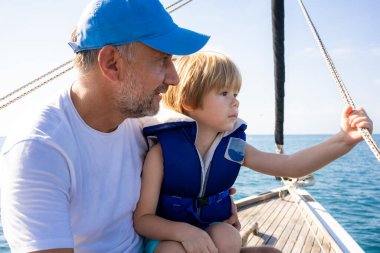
<point x="219" y="110"/>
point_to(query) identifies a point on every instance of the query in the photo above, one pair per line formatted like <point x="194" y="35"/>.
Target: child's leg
<point x="226" y="237"/>
<point x="169" y="247"/>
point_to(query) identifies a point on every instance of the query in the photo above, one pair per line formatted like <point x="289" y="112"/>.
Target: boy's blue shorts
<point x="150" y="245"/>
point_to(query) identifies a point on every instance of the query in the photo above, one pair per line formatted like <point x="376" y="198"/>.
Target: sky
<point x="34" y="36"/>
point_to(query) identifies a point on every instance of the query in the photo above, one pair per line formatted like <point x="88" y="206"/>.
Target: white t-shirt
<point x="66" y="185"/>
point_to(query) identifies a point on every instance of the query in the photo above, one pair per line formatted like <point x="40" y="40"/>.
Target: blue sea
<point x="348" y="188"/>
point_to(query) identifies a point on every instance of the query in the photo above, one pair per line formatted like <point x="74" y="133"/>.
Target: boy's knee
<point x="219" y="233"/>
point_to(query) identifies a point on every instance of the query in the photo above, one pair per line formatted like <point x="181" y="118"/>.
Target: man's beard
<point x="133" y="102"/>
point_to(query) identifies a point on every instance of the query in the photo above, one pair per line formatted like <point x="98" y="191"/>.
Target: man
<point x="71" y="174"/>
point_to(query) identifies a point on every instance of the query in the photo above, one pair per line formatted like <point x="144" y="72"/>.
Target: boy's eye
<point x="225" y="93"/>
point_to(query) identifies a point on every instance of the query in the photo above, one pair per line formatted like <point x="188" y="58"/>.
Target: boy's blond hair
<point x="200" y="73"/>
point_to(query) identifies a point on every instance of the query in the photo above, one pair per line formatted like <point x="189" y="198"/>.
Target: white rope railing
<point x="175" y="6"/>
<point x="28" y="88"/>
<point x="342" y="88"/>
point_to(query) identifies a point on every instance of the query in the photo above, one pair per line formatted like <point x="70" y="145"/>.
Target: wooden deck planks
<point x="256" y="216"/>
<point x="280" y="228"/>
<point x="282" y="225"/>
<point x="269" y="226"/>
<point x="264" y="222"/>
<point x="301" y="239"/>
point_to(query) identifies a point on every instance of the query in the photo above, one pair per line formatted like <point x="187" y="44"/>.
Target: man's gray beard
<point x="133" y="103"/>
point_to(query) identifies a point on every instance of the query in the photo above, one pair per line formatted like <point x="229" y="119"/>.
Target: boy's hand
<point x="197" y="240"/>
<point x="351" y="121"/>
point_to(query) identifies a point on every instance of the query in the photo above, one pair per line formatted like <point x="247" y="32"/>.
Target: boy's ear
<point x="187" y="107"/>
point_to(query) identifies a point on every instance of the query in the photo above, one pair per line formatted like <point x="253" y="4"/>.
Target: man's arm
<point x="233" y="219"/>
<point x="55" y="251"/>
<point x="35" y="198"/>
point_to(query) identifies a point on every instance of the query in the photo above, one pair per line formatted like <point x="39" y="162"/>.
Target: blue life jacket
<point x="190" y="192"/>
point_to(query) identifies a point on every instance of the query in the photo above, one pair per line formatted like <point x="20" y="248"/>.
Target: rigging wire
<point x="11" y="101"/>
<point x="23" y="87"/>
<point x="342" y="88"/>
<point x="177" y="7"/>
<point x="13" y="97"/>
<point x="35" y="80"/>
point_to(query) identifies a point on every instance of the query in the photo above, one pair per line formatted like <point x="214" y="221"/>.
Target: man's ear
<point x="109" y="60"/>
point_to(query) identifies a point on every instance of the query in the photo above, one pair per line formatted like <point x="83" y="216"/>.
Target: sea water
<point x="348" y="188"/>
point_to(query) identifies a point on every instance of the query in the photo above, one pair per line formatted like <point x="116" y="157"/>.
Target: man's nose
<point x="171" y="77"/>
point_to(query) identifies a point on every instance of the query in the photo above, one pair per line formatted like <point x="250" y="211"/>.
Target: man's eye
<point x="167" y="59"/>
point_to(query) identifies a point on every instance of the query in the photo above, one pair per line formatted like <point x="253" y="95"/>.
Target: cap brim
<point x="179" y="41"/>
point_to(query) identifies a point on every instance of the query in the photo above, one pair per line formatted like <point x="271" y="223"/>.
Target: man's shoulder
<point x="42" y="123"/>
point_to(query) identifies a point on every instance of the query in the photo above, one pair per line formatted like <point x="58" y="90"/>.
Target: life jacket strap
<point x="205" y="201"/>
<point x="194" y="204"/>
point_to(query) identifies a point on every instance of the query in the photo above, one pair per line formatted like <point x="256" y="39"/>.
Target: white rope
<point x="174" y="8"/>
<point x="13" y="100"/>
<point x="23" y="87"/>
<point x="346" y="96"/>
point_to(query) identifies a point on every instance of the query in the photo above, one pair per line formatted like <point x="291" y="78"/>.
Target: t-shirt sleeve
<point x="35" y="196"/>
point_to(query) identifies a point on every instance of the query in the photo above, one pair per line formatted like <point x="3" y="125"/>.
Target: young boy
<point x="188" y="173"/>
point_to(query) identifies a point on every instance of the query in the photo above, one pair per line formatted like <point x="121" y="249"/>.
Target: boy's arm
<point x="311" y="159"/>
<point x="148" y="224"/>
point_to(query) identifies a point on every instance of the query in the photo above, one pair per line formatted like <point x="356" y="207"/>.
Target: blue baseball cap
<point x="117" y="22"/>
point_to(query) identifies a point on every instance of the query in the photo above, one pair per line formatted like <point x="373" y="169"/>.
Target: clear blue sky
<point x="34" y="37"/>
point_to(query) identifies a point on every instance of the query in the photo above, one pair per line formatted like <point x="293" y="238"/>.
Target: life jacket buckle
<point x="201" y="202"/>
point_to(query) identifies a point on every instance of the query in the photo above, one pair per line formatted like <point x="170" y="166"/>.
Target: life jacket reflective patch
<point x="235" y="150"/>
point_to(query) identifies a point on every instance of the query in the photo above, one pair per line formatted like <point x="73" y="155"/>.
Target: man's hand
<point x="234" y="219"/>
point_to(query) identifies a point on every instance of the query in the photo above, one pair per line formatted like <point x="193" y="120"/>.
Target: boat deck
<point x="284" y="223"/>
